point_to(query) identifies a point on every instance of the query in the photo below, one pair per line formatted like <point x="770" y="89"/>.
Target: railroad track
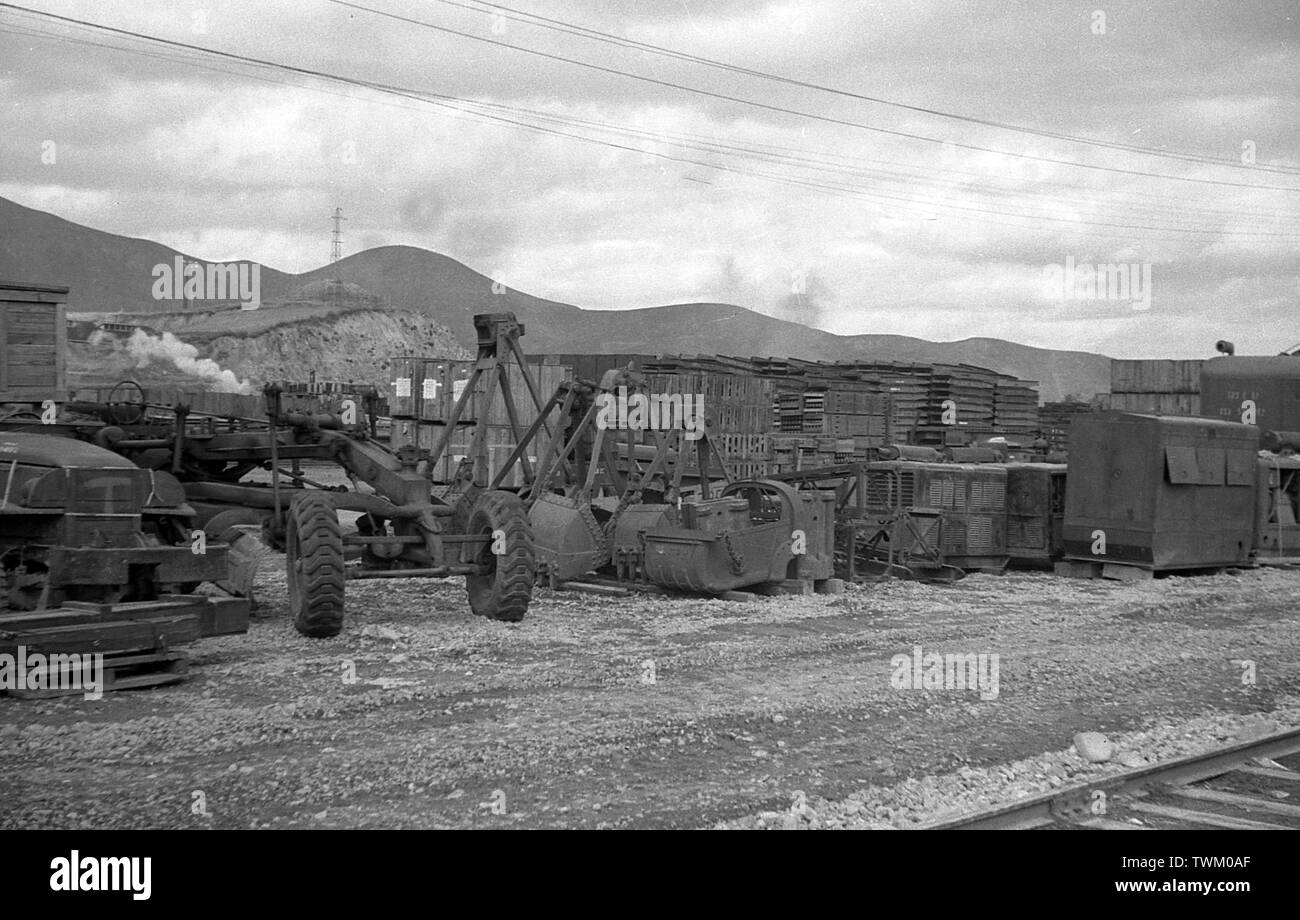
<point x="1239" y="787"/>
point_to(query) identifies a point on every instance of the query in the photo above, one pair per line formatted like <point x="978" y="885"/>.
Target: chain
<point x="734" y="552"/>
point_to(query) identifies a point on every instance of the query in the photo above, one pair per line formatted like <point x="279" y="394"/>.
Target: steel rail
<point x="1047" y="808"/>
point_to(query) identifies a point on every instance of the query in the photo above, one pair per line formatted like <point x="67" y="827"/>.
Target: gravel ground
<point x="654" y="711"/>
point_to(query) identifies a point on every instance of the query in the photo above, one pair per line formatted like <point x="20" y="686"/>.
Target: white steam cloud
<point x="145" y="348"/>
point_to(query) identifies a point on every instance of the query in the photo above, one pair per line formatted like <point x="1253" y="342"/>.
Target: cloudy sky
<point x="781" y="188"/>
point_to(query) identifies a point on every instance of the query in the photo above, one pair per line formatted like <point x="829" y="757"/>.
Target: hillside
<point x="353" y="345"/>
<point x="109" y="273"/>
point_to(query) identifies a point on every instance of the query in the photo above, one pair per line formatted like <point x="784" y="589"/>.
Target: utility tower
<point x="336" y="238"/>
<point x="336" y="253"/>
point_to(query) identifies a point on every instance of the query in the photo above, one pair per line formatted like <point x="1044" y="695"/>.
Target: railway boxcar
<point x="1035" y="513"/>
<point x="1161" y="492"/>
<point x="1262" y="391"/>
<point x="971" y="498"/>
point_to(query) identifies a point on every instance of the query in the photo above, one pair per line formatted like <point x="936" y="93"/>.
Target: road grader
<point x="406" y="526"/>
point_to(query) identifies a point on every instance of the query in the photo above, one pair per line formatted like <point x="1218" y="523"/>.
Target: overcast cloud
<point x="899" y="236"/>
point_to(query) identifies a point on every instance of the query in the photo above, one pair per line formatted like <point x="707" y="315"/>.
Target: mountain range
<point x="108" y="273"/>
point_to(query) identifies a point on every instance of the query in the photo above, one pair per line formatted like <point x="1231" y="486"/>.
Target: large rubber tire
<point x="503" y="593"/>
<point x="314" y="566"/>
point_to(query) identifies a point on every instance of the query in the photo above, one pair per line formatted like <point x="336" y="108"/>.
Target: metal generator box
<point x="1035" y="512"/>
<point x="1161" y="492"/>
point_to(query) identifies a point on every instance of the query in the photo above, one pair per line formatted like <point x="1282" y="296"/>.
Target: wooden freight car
<point x="970" y="499"/>
<point x="33" y="343"/>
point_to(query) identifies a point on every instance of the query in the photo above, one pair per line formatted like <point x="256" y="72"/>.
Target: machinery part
<point x="27" y="586"/>
<point x="627" y="543"/>
<point x="383" y="545"/>
<point x="734" y="553"/>
<point x="245" y="553"/>
<point x="909" y="452"/>
<point x="742" y="538"/>
<point x="1279" y="441"/>
<point x="314" y="566"/>
<point x="504" y="591"/>
<point x="223" y="521"/>
<point x="568" y="540"/>
<point x="126" y="402"/>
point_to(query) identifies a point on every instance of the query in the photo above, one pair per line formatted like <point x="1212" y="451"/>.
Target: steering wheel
<point x="122" y="399"/>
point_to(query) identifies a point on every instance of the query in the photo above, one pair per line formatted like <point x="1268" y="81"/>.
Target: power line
<point x="796" y="112"/>
<point x="1175" y="207"/>
<point x="437" y="100"/>
<point x="569" y="28"/>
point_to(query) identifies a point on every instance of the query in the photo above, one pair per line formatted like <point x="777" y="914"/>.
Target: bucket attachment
<point x="567" y="538"/>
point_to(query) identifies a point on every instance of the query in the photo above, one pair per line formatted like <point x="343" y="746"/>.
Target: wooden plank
<point x="1073" y="569"/>
<point x="118" y="636"/>
<point x="1110" y="824"/>
<point x="1204" y="817"/>
<point x="31" y="619"/>
<point x="584" y="588"/>
<point x="61" y="352"/>
<point x="1271" y="773"/>
<point x="125" y="672"/>
<point x="20" y="376"/>
<point x="1120" y="572"/>
<point x="8" y="295"/>
<point x="72" y="612"/>
<point x="1236" y="799"/>
<point x="31" y="356"/>
<point x="45" y="338"/>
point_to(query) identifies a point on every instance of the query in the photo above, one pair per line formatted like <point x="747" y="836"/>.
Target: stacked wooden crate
<point x="966" y="392"/>
<point x="593" y="367"/>
<point x="424" y="396"/>
<point x="1054" y="420"/>
<point x="1015" y="405"/>
<point x="1162" y="387"/>
<point x="908" y="389"/>
<point x="738" y="403"/>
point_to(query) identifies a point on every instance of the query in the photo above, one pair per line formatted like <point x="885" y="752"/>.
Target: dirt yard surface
<point x="654" y="711"/>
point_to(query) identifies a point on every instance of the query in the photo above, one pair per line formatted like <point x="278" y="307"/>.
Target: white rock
<point x="1130" y="759"/>
<point x="1094" y="747"/>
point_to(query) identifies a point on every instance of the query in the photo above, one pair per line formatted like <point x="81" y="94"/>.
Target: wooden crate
<point x="33" y="343"/>
<point x="1155" y="376"/>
